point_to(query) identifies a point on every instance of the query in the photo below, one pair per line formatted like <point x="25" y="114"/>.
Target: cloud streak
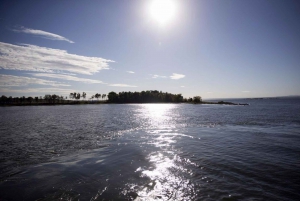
<point x="130" y="72"/>
<point x="38" y="90"/>
<point x="176" y="76"/>
<point x="159" y="76"/>
<point x="121" y="85"/>
<point x="40" y="33"/>
<point x="67" y="77"/>
<point x="14" y="81"/>
<point x="41" y="59"/>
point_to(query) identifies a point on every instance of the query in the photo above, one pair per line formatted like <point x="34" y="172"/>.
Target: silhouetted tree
<point x="3" y="99"/>
<point x="83" y="95"/>
<point x="71" y="96"/>
<point x="29" y="99"/>
<point x="97" y="96"/>
<point x="53" y="98"/>
<point x="22" y="99"/>
<point x="10" y="100"/>
<point x="78" y="96"/>
<point x="16" y="99"/>
<point x="112" y="97"/>
<point x="47" y="98"/>
<point x="197" y="99"/>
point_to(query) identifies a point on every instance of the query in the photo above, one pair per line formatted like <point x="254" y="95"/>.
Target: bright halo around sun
<point x="163" y="11"/>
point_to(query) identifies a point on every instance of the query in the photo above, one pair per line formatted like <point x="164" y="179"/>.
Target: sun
<point x="163" y="11"/>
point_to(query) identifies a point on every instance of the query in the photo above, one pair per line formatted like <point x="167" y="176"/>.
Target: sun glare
<point x="163" y="11"/>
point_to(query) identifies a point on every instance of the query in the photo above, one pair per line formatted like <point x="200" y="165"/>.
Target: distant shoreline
<point x="223" y="103"/>
<point x="106" y="102"/>
<point x="143" y="97"/>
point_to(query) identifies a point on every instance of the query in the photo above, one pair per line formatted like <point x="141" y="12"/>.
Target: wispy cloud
<point x="40" y="91"/>
<point x="182" y="86"/>
<point x="176" y="76"/>
<point x="245" y="91"/>
<point x="67" y="77"/>
<point x="13" y="81"/>
<point x="130" y="72"/>
<point x="121" y="85"/>
<point x="43" y="34"/>
<point x="158" y="76"/>
<point x="41" y="59"/>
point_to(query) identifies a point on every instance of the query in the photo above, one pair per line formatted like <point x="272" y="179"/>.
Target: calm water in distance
<point x="151" y="152"/>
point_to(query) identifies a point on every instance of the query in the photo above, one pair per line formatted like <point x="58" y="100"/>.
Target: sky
<point x="211" y="48"/>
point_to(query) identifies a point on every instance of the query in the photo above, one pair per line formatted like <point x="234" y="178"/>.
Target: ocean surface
<point x="151" y="151"/>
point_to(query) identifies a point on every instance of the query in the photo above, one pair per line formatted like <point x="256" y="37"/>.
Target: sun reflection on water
<point x="168" y="179"/>
<point x="167" y="182"/>
<point x="168" y="176"/>
<point x="158" y="115"/>
<point x="158" y="110"/>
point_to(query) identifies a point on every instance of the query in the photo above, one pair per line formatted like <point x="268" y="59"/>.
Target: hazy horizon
<point x="215" y="49"/>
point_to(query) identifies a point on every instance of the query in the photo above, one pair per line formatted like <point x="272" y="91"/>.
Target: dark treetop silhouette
<point x="144" y="97"/>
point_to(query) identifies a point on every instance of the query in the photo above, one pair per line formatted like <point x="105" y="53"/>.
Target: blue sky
<point x="215" y="49"/>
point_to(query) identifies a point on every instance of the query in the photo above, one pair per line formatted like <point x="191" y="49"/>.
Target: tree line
<point x="38" y="99"/>
<point x="47" y="99"/>
<point x="150" y="96"/>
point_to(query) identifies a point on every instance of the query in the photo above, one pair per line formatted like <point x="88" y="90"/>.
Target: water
<point x="151" y="152"/>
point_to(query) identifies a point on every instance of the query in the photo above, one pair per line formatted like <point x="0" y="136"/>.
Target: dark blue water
<point x="151" y="152"/>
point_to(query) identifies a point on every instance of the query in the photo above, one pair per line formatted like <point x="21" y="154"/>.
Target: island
<point x="149" y="96"/>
